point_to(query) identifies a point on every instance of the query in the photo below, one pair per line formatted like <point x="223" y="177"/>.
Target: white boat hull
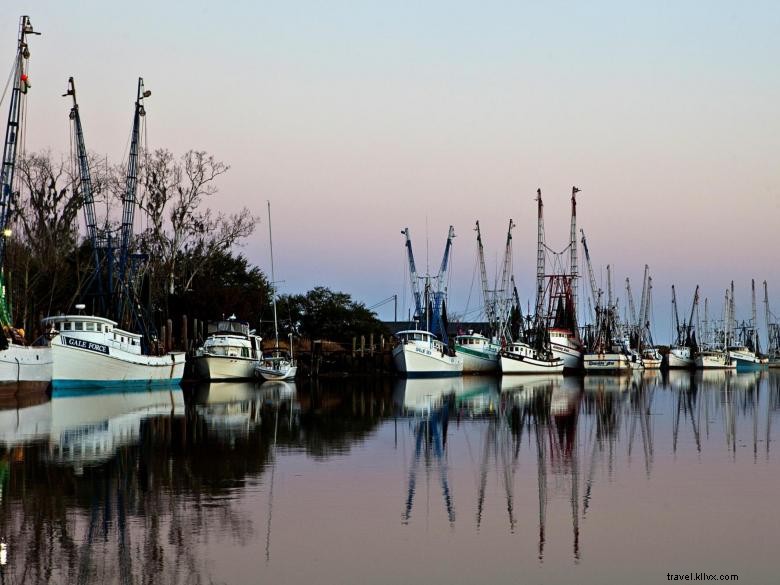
<point x="412" y="361"/>
<point x="21" y="363"/>
<point x="511" y="364"/>
<point x="714" y="361"/>
<point x="271" y="374"/>
<point x="476" y="361"/>
<point x="572" y="358"/>
<point x="679" y="359"/>
<point x="747" y="360"/>
<point x="216" y="367"/>
<point x="651" y="363"/>
<point x="606" y="362"/>
<point x="79" y="368"/>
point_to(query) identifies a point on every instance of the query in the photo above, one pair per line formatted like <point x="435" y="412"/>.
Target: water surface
<point x="514" y="480"/>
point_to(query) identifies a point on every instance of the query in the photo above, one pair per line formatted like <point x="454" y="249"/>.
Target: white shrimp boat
<point x="747" y="360"/>
<point x="714" y="360"/>
<point x="480" y="354"/>
<point x="90" y="352"/>
<point x="617" y="362"/>
<point x="419" y="354"/>
<point x="521" y="358"/>
<point x="566" y="346"/>
<point x="230" y="352"/>
<point x="680" y="357"/>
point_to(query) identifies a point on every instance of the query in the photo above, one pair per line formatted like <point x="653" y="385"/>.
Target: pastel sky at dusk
<point x="357" y="119"/>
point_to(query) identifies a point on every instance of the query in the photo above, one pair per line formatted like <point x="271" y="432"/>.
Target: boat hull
<point x="413" y="361"/>
<point x="215" y="367"/>
<point x="714" y="361"/>
<point x="75" y="367"/>
<point x="676" y="359"/>
<point x="747" y="361"/>
<point x="476" y="361"/>
<point x="512" y="364"/>
<point x="21" y="363"/>
<point x="606" y="363"/>
<point x="651" y="363"/>
<point x="272" y="375"/>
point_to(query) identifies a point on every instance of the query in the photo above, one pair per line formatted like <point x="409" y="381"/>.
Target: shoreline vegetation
<point x="189" y="267"/>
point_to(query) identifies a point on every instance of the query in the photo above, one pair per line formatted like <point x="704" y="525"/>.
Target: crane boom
<point x="82" y="162"/>
<point x="595" y="292"/>
<point x="490" y="313"/>
<point x="442" y="276"/>
<point x="13" y="136"/>
<point x="676" y="315"/>
<point x="643" y="300"/>
<point x="414" y="279"/>
<point x="504" y="303"/>
<point x="574" y="268"/>
<point x="131" y="188"/>
<point x="539" y="254"/>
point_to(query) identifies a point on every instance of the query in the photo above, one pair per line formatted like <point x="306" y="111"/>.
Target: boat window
<point x="90" y="326"/>
<point x="66" y="326"/>
<point x="244" y="352"/>
<point x="78" y="326"/>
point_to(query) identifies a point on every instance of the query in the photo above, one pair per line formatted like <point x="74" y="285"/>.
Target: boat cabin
<point x="421" y="338"/>
<point x="93" y="329"/>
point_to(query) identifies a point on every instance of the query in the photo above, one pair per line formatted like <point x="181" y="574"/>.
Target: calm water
<point x="527" y="480"/>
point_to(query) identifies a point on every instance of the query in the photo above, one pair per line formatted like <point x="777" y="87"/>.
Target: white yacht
<point x="419" y="353"/>
<point x="521" y="358"/>
<point x="231" y="351"/>
<point x="480" y="354"/>
<point x="90" y="352"/>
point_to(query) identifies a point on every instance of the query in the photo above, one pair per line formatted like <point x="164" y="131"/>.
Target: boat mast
<point x="539" y="255"/>
<point x="505" y="299"/>
<point x="14" y="135"/>
<point x="573" y="250"/>
<point x="273" y="278"/>
<point x="754" y="321"/>
<point x="490" y="309"/>
<point x="595" y="292"/>
<point x="413" y="278"/>
<point x="676" y="316"/>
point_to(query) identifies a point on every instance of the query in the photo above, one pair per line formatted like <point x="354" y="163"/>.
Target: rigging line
<point x="8" y="82"/>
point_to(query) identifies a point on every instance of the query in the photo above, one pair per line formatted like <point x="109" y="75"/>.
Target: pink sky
<point x="359" y="120"/>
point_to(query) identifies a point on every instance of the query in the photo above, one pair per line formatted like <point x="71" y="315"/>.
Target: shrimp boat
<point x="91" y="352"/>
<point x="521" y="358"/>
<point x="682" y="352"/>
<point x="276" y="364"/>
<point x="420" y="354"/>
<point x="425" y="352"/>
<point x="18" y="362"/>
<point x="711" y="355"/>
<point x="479" y="354"/>
<point x="231" y="351"/>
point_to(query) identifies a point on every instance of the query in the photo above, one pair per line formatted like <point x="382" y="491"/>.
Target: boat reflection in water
<point x="88" y="428"/>
<point x="237" y="406"/>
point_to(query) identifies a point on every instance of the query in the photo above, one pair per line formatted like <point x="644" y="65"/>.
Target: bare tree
<point x="178" y="223"/>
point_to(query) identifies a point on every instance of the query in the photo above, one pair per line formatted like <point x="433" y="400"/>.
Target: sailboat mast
<point x="273" y="278"/>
